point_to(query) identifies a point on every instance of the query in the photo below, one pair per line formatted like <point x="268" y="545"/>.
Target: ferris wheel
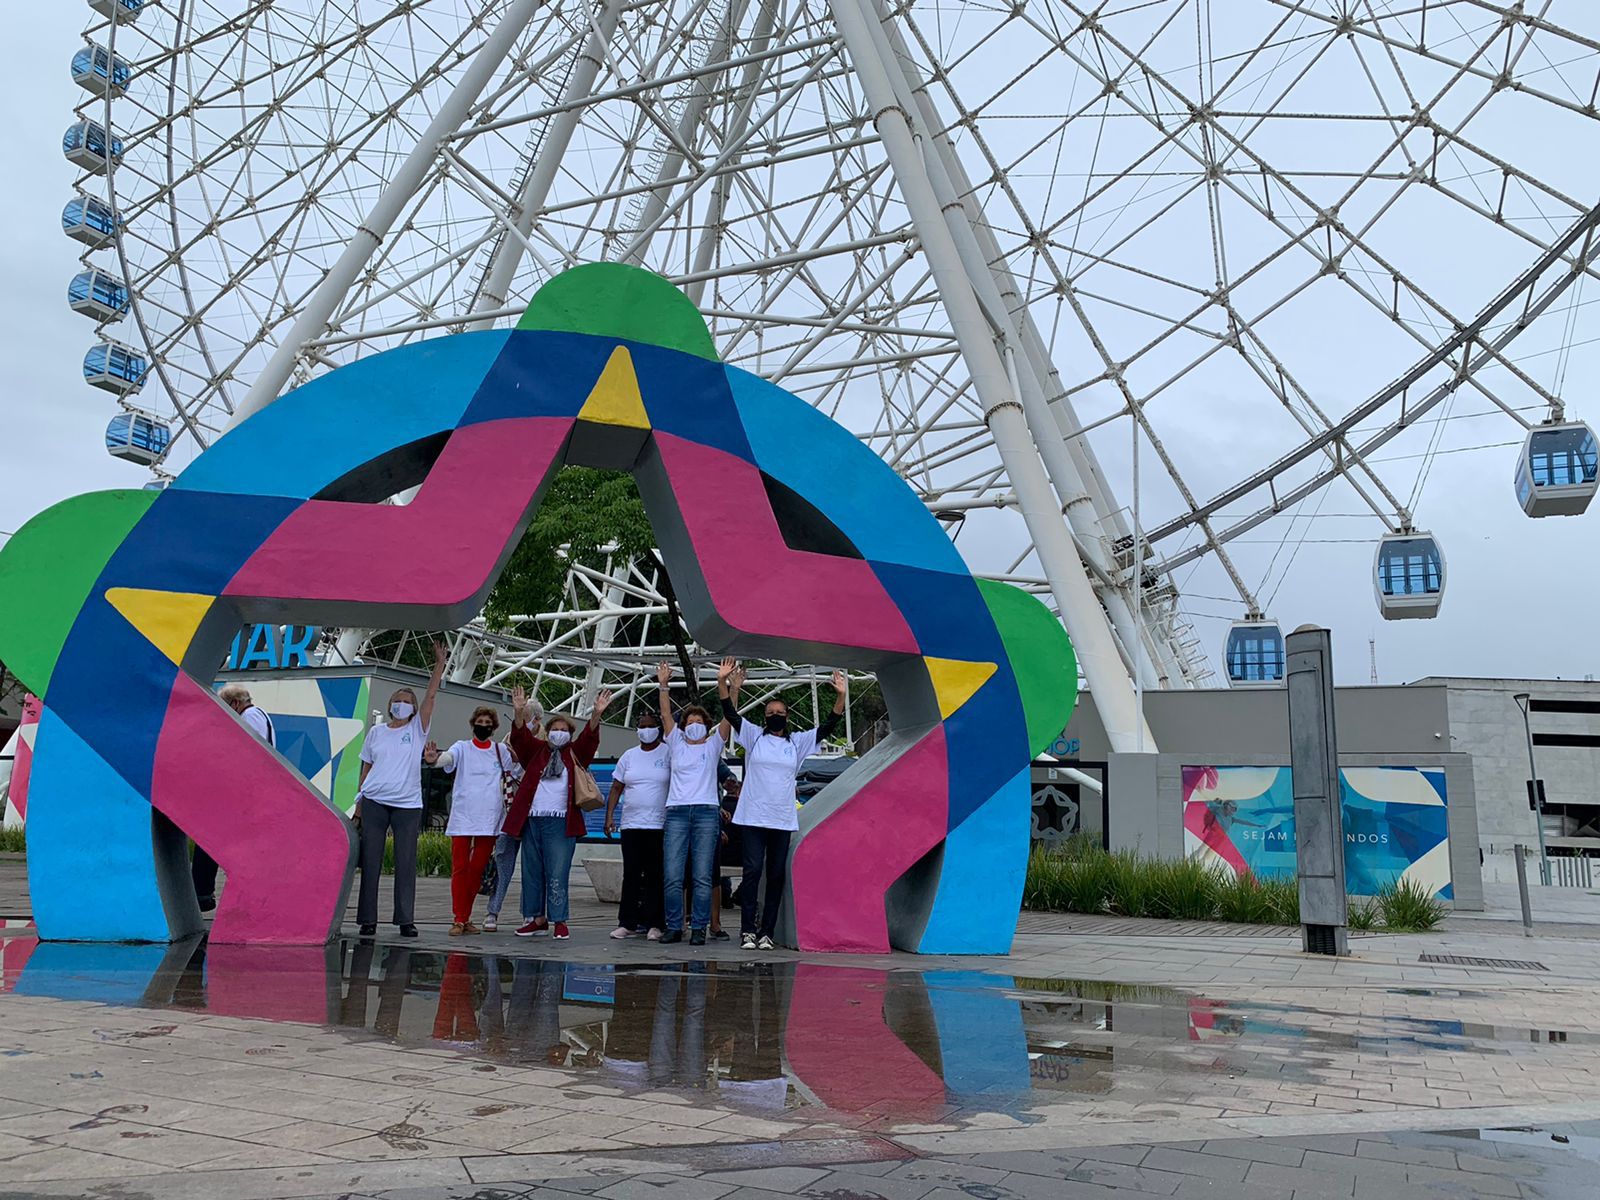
<point x="1110" y="285"/>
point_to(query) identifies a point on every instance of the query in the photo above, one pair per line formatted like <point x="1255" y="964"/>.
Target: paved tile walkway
<point x="1100" y="1058"/>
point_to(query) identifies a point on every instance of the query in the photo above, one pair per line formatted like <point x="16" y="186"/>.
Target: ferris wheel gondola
<point x="1556" y="471"/>
<point x="1409" y="575"/>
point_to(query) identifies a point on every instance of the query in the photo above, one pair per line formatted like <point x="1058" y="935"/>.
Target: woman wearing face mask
<point x="694" y="819"/>
<point x="480" y="766"/>
<point x="545" y="813"/>
<point x="768" y="813"/>
<point x="640" y="781"/>
<point x="390" y="798"/>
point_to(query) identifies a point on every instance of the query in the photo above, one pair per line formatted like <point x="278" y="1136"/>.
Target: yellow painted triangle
<point x="956" y="681"/>
<point x="615" y="399"/>
<point x="168" y="619"/>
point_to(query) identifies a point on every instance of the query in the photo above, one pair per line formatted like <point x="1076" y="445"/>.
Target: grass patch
<point x="13" y="841"/>
<point x="1080" y="876"/>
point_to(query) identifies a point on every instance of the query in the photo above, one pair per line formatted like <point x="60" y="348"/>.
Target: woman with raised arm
<point x="640" y="782"/>
<point x="693" y="818"/>
<point x="768" y="813"/>
<point x="545" y="815"/>
<point x="390" y="798"/>
<point x="481" y="767"/>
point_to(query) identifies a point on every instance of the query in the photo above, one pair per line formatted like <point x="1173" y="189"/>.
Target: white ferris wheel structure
<point x="1110" y="284"/>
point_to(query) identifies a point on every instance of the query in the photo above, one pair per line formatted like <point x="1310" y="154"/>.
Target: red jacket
<point x="534" y="755"/>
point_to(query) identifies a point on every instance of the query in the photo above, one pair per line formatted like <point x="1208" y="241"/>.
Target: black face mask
<point x="777" y="722"/>
<point x="483" y="732"/>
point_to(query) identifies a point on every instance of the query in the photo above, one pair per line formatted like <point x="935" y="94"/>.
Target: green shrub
<point x="1407" y="905"/>
<point x="1363" y="915"/>
<point x="12" y="841"/>
<point x="433" y="855"/>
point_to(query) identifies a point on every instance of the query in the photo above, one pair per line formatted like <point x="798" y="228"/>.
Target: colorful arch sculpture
<point x="785" y="536"/>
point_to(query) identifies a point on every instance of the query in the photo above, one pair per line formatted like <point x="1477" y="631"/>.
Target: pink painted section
<point x="757" y="583"/>
<point x="438" y="550"/>
<point x="18" y="941"/>
<point x="285" y="851"/>
<point x="1198" y="820"/>
<point x="273" y="983"/>
<point x="22" y="767"/>
<point x="844" y="866"/>
<point x="840" y="1047"/>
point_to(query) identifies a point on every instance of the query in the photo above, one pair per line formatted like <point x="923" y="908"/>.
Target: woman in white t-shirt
<point x="640" y="781"/>
<point x="390" y="798"/>
<point x="768" y="812"/>
<point x="481" y="767"/>
<point x="693" y="821"/>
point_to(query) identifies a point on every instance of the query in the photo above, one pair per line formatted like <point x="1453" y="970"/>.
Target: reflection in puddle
<point x="766" y="1037"/>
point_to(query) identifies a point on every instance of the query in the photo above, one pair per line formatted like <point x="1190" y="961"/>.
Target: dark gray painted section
<point x="1314" y="770"/>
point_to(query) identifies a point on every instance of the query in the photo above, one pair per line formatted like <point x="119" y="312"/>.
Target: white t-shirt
<point x="767" y="798"/>
<point x="260" y="724"/>
<point x="694" y="768"/>
<point x="644" y="776"/>
<point x="476" y="800"/>
<point x="550" y="796"/>
<point x="396" y="758"/>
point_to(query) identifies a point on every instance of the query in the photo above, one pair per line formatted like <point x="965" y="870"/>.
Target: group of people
<point x="523" y="797"/>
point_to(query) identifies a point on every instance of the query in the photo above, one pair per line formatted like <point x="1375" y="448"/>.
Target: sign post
<point x="1314" y="766"/>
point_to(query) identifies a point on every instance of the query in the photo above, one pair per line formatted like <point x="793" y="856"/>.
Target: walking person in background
<point x="768" y="812"/>
<point x="390" y="798"/>
<point x="203" y="868"/>
<point x="640" y="781"/>
<point x="693" y="821"/>
<point x="481" y="767"/>
<point x="545" y="815"/>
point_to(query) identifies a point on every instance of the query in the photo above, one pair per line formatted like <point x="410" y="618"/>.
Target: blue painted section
<point x="91" y="870"/>
<point x="946" y="612"/>
<point x="876" y="511"/>
<point x="689" y="397"/>
<point x="92" y="972"/>
<point x="339" y="696"/>
<point x="539" y="375"/>
<point x="983" y="1046"/>
<point x="980" y="886"/>
<point x="319" y="432"/>
<point x="304" y="742"/>
<point x="194" y="541"/>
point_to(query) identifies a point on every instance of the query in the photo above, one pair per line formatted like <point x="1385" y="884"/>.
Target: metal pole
<point x="1098" y="654"/>
<point x="1520" y="853"/>
<point x="1535" y="794"/>
<point x="1314" y="770"/>
<point x="313" y="320"/>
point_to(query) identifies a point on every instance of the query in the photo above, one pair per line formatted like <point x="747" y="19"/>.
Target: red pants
<point x="469" y="857"/>
<point x="457" y="1019"/>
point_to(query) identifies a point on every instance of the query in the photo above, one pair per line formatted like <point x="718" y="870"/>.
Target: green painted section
<point x="616" y="300"/>
<point x="1041" y="658"/>
<point x="347" y="776"/>
<point x="47" y="571"/>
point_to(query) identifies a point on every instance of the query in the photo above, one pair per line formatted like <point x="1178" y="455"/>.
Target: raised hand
<point x="663" y="673"/>
<point x="839" y="682"/>
<point x="519" y="701"/>
<point x="430" y="753"/>
<point x="726" y="669"/>
<point x="441" y="655"/>
<point x="602" y="702"/>
<point x="736" y="680"/>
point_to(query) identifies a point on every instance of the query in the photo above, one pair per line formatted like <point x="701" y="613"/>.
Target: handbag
<point x="585" y="791"/>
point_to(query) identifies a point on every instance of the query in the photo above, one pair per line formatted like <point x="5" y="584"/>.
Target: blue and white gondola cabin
<point x="1556" y="474"/>
<point x="86" y="144"/>
<point x="115" y="368"/>
<point x="95" y="69"/>
<point x="90" y="221"/>
<point x="123" y="10"/>
<point x="1409" y="576"/>
<point x="1254" y="654"/>
<point x="137" y="437"/>
<point x="98" y="294"/>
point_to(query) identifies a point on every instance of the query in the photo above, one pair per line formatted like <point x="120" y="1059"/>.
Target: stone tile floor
<point x="1099" y="1059"/>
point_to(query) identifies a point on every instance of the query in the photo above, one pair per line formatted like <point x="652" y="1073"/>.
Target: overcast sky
<point x="1520" y="598"/>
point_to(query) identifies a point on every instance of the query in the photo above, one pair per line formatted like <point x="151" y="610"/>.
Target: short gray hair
<point x="235" y="692"/>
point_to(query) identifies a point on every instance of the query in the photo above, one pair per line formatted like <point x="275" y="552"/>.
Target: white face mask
<point x="400" y="710"/>
<point x="559" y="738"/>
<point x="648" y="735"/>
<point x="694" y="732"/>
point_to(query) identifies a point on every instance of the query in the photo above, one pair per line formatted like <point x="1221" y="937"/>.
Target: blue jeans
<point x="505" y="866"/>
<point x="689" y="839"/>
<point x="546" y="863"/>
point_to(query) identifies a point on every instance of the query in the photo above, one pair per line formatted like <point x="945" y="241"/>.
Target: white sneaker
<point x="621" y="931"/>
<point x="490" y="923"/>
<point x="654" y="935"/>
<point x="747" y="941"/>
<point x="766" y="943"/>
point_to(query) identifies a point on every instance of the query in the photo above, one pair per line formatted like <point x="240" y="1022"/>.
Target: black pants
<point x="376" y="822"/>
<point x="203" y="870"/>
<point x="641" y="880"/>
<point x="769" y="847"/>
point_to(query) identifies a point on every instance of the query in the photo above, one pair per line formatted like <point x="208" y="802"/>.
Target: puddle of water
<point x="766" y="1037"/>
